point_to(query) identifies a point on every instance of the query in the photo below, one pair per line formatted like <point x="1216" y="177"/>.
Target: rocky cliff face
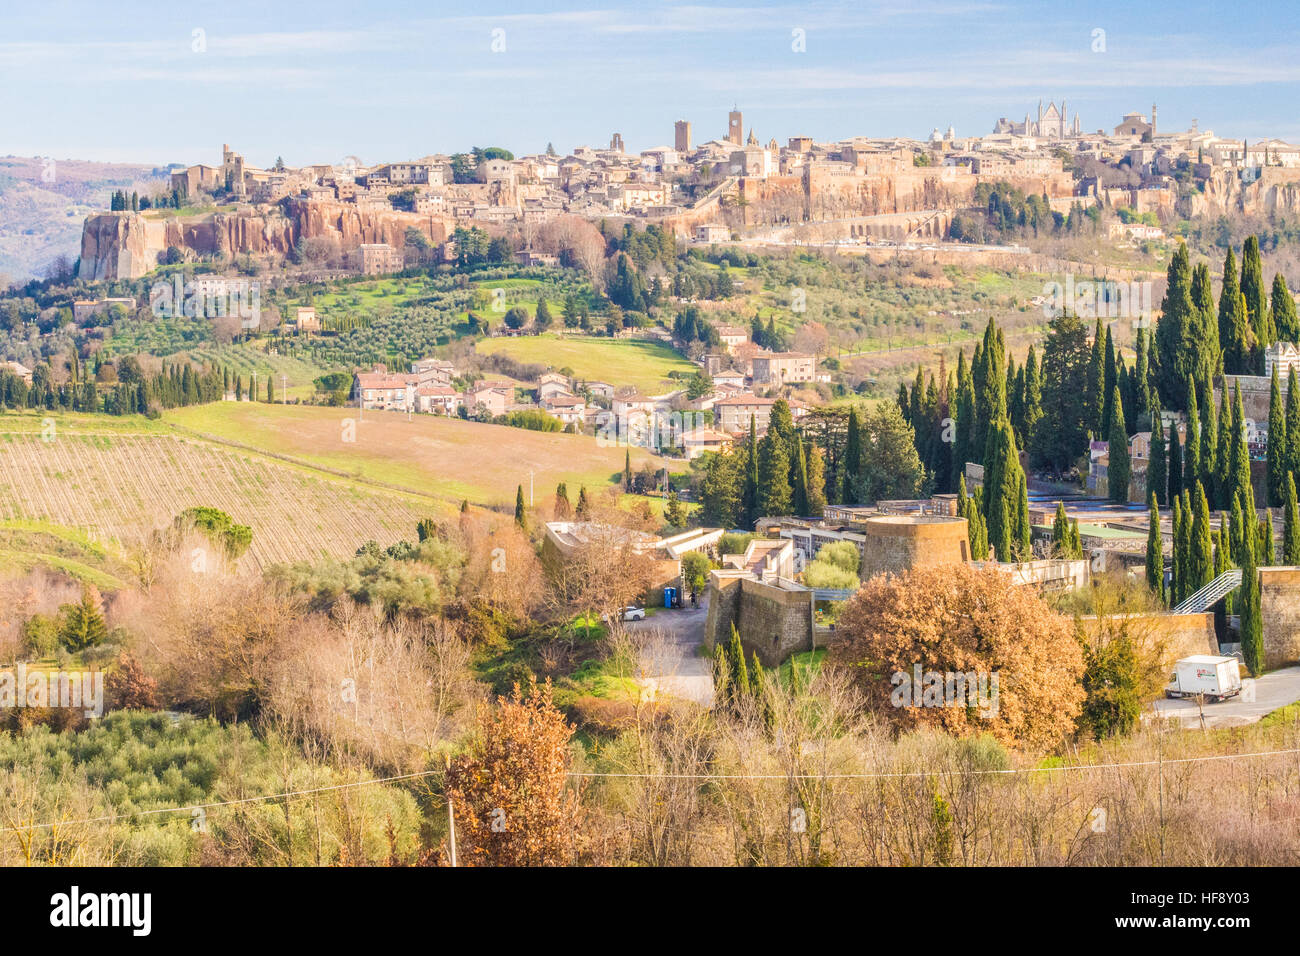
<point x="1276" y="192"/>
<point x="123" y="245"/>
<point x="114" y="245"/>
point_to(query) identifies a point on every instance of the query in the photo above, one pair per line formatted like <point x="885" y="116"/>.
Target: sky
<point x="385" y="80"/>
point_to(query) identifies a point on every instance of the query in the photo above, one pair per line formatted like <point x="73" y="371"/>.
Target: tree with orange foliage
<point x="956" y="620"/>
<point x="508" y="791"/>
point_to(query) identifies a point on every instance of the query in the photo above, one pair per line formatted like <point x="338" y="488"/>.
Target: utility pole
<point x="284" y="390"/>
<point x="451" y="817"/>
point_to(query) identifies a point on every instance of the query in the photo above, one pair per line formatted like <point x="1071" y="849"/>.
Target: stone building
<point x="897" y="543"/>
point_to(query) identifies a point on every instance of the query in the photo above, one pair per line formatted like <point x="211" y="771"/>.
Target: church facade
<point x="1052" y="123"/>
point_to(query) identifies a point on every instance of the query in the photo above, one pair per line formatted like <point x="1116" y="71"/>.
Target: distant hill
<point x="43" y="203"/>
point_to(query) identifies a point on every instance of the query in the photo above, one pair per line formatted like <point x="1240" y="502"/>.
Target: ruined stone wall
<point x="772" y="622"/>
<point x="1279" y="602"/>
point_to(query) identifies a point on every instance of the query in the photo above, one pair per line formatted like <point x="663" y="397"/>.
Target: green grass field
<point x="644" y="365"/>
<point x="448" y="458"/>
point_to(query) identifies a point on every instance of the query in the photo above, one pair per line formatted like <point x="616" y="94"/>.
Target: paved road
<point x="1275" y="689"/>
<point x="669" y="664"/>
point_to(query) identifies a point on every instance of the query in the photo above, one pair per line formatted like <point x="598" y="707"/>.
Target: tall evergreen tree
<point x="1291" y="526"/>
<point x="1200" y="558"/>
<point x="1158" y="469"/>
<point x="1175" y="471"/>
<point x="749" y="502"/>
<point x="851" y="465"/>
<point x="1141" y="375"/>
<point x="1192" y="446"/>
<point x="1277" y="444"/>
<point x="1257" y="310"/>
<point x="964" y="419"/>
<point x="1178" y="559"/>
<point x="1110" y="380"/>
<point x="1061" y="532"/>
<point x="1251" y="626"/>
<point x="1205" y="326"/>
<point x="1236" y="337"/>
<point x="1239" y="454"/>
<point x="1120" y="470"/>
<point x="1155" y="549"/>
<point x="1175" y="330"/>
<point x="1003" y="480"/>
<point x="1095" y="384"/>
<point x="521" y="515"/>
<point x="1267" y="540"/>
<point x="1223" y="454"/>
<point x="1292" y="424"/>
<point x="990" y="384"/>
<point x="1209" y="437"/>
<point x="1282" y="306"/>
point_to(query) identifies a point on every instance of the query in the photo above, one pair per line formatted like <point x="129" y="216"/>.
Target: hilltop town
<point x="859" y="191"/>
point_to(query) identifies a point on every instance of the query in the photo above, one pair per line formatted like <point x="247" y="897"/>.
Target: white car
<point x="634" y="614"/>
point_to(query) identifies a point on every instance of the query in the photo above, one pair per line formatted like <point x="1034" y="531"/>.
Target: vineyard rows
<point x="125" y="487"/>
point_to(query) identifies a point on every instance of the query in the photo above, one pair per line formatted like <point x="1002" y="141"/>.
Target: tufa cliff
<point x="125" y="245"/>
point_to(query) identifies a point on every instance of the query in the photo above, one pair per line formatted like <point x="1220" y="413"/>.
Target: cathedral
<point x="1051" y="123"/>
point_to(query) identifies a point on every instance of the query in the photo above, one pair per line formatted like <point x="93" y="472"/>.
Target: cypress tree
<point x="1235" y="337"/>
<point x="1291" y="526"/>
<point x="1061" y="532"/>
<point x="627" y="470"/>
<point x="1285" y="323"/>
<point x="1239" y="456"/>
<point x="963" y="448"/>
<point x="1267" y="540"/>
<point x="774" y="493"/>
<point x="1235" y="525"/>
<point x="1003" y="479"/>
<point x="1251" y="624"/>
<point x="1141" y="374"/>
<point x="1110" y="379"/>
<point x="1205" y="326"/>
<point x="1022" y="541"/>
<point x="801" y="482"/>
<point x="1120" y="469"/>
<point x="1155" y="549"/>
<point x="990" y="385"/>
<point x="1209" y="436"/>
<point x="1223" y="454"/>
<point x="521" y="516"/>
<point x="1095" y="386"/>
<point x="1252" y="290"/>
<point x="852" y="462"/>
<point x="1175" y="471"/>
<point x="1032" y="412"/>
<point x="1192" y="447"/>
<point x="749" y="497"/>
<point x="1277" y="443"/>
<point x="1200" y="558"/>
<point x="1177" y="558"/>
<point x="1174" y="331"/>
<point x="1292" y="424"/>
<point x="739" y="670"/>
<point x="1157" y="472"/>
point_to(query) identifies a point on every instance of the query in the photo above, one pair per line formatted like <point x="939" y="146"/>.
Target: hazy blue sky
<point x="382" y="79"/>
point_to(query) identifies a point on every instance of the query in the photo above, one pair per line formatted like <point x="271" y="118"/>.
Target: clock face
<point x="735" y="122"/>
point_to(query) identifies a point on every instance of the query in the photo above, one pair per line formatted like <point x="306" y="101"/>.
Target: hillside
<point x="443" y="457"/>
<point x="118" y="486"/>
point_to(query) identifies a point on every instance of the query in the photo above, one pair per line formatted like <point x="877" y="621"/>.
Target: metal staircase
<point x="1208" y="596"/>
